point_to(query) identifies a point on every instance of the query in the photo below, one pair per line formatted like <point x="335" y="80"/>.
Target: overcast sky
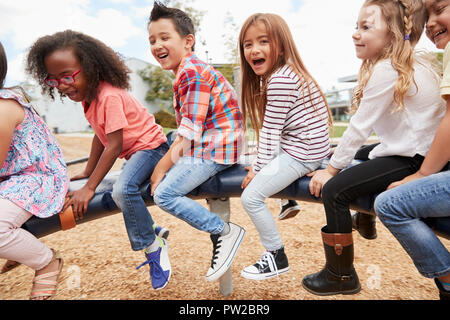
<point x="322" y="29"/>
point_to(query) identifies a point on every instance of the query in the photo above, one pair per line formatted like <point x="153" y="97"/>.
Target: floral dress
<point x="34" y="174"/>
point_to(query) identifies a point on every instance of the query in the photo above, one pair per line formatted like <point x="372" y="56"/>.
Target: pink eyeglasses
<point x="67" y="80"/>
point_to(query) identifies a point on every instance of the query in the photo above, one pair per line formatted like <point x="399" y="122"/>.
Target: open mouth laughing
<point x="258" y="62"/>
<point x="437" y="35"/>
<point x="163" y="56"/>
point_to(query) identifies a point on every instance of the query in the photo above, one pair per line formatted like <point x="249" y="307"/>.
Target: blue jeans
<point x="400" y="209"/>
<point x="277" y="175"/>
<point x="187" y="174"/>
<point x="127" y="195"/>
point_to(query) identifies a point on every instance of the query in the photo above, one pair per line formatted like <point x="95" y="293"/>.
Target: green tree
<point x="160" y="83"/>
<point x="227" y="71"/>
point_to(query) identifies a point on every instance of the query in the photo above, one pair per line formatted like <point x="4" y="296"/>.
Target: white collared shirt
<point x="403" y="133"/>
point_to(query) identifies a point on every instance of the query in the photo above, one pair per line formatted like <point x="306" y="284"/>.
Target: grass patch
<point x="167" y="130"/>
<point x="338" y="131"/>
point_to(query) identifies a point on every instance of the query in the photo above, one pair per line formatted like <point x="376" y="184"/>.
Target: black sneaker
<point x="271" y="264"/>
<point x="289" y="209"/>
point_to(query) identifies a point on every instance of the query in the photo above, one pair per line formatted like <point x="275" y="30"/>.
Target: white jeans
<point x="277" y="175"/>
<point x="17" y="244"/>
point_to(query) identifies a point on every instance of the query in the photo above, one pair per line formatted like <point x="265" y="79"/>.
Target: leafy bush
<point x="160" y="82"/>
<point x="165" y="119"/>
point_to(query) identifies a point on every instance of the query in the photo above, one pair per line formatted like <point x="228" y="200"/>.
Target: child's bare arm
<point x="97" y="149"/>
<point x="11" y="114"/>
<point x="80" y="199"/>
<point x="175" y="152"/>
<point x="439" y="153"/>
<point x="107" y="159"/>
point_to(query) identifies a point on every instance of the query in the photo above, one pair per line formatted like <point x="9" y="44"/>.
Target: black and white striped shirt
<point x="295" y="121"/>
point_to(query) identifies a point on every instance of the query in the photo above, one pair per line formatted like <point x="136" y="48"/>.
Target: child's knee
<point x="328" y="192"/>
<point x="161" y="197"/>
<point x="389" y="210"/>
<point x="6" y="230"/>
<point x="381" y="207"/>
<point x="332" y="193"/>
<point x="118" y="192"/>
<point x="250" y="201"/>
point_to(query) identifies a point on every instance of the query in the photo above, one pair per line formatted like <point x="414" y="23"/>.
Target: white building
<point x="67" y="116"/>
<point x="139" y="87"/>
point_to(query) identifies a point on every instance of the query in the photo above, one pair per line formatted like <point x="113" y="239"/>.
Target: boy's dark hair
<point x="98" y="61"/>
<point x="183" y="23"/>
<point x="3" y="66"/>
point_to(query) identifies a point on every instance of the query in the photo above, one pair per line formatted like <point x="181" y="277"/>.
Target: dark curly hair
<point x="98" y="61"/>
<point x="183" y="23"/>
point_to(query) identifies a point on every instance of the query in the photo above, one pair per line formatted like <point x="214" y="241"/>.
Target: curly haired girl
<point x="86" y="70"/>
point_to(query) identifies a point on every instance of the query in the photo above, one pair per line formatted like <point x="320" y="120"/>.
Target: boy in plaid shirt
<point x="210" y="131"/>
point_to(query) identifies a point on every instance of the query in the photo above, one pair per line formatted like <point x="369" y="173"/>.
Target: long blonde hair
<point x="254" y="87"/>
<point x="406" y="21"/>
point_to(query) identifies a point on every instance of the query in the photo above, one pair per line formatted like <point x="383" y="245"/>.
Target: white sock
<point x="154" y="246"/>
<point x="226" y="229"/>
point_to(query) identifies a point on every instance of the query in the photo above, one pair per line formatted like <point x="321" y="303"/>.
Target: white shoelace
<point x="268" y="259"/>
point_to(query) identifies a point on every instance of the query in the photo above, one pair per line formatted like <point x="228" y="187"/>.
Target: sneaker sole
<point x="219" y="273"/>
<point x="289" y="213"/>
<point x="258" y="276"/>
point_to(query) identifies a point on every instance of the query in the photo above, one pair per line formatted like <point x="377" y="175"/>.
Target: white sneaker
<point x="224" y="251"/>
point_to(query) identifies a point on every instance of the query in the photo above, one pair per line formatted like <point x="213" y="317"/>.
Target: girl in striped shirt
<point x="291" y="117"/>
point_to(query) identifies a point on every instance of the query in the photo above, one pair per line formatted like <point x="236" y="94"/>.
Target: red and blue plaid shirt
<point x="207" y="112"/>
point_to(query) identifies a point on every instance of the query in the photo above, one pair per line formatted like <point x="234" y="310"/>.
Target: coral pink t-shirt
<point x="115" y="109"/>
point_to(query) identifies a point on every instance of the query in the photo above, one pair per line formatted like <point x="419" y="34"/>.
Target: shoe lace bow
<point x="152" y="260"/>
<point x="268" y="260"/>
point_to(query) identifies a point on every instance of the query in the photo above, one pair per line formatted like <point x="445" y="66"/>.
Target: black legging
<point x="369" y="177"/>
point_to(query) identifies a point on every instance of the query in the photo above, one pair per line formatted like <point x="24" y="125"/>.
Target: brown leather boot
<point x="338" y="276"/>
<point x="365" y="224"/>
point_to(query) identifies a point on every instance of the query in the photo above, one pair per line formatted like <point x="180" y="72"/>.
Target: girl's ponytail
<point x="403" y="57"/>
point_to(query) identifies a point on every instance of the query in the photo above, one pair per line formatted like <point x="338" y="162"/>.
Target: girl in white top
<point x="398" y="98"/>
<point x="286" y="104"/>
